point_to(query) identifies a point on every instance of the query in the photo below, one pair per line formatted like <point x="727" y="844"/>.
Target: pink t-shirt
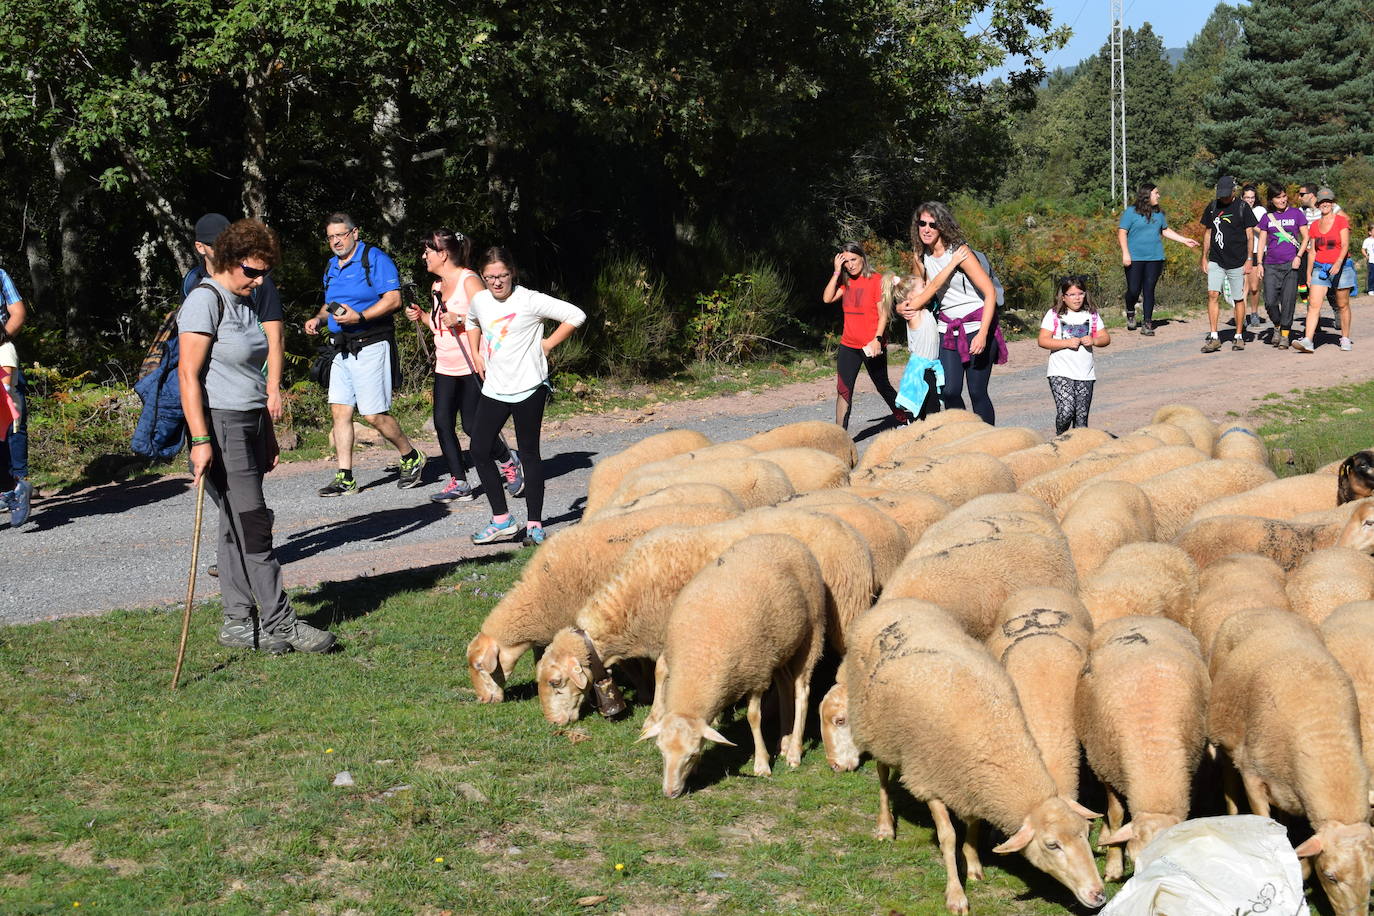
<point x="451" y="356"/>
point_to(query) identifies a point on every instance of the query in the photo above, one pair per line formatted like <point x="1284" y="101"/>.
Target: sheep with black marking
<point x="754" y="481"/>
<point x="1234" y="583"/>
<point x="754" y="617"/>
<point x="1329" y="578"/>
<point x="1176" y="494"/>
<point x="1141" y="716"/>
<point x="808" y="469"/>
<point x="1241" y="443"/>
<point x="986" y="516"/>
<point x="1059" y="451"/>
<point x="679" y="494"/>
<point x="954" y="478"/>
<point x="1054" y="486"/>
<point x="1140" y="467"/>
<point x="1141" y="580"/>
<point x="887" y="541"/>
<point x="1168" y="434"/>
<point x="881" y="449"/>
<point x="610" y="471"/>
<point x="821" y="434"/>
<point x="1286" y="543"/>
<point x="1106" y="515"/>
<point x="915" y="512"/>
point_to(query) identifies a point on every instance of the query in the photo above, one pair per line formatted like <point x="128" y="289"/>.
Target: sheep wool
<point x="995" y="441"/>
<point x="1141" y="580"/>
<point x="608" y="472"/>
<point x="820" y="434"/>
<point x="1201" y="430"/>
<point x="1141" y="467"/>
<point x="954" y="478"/>
<point x="915" y="512"/>
<point x="1059" y="451"/>
<point x="1167" y="433"/>
<point x="1241" y="443"/>
<point x="1176" y="494"/>
<point x="988" y="516"/>
<point x="1349" y="636"/>
<point x="887" y="541"/>
<point x="1329" y="578"/>
<point x="1106" y="515"/>
<point x="808" y="469"/>
<point x="756" y="483"/>
<point x="1286" y="543"/>
<point x="679" y="494"/>
<point x="1232" y="584"/>
<point x="884" y="444"/>
<point x="1055" y="485"/>
<point x="1284" y="499"/>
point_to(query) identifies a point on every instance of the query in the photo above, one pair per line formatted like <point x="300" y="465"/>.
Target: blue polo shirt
<point x="1143" y="235"/>
<point x="346" y="283"/>
<point x="8" y="296"/>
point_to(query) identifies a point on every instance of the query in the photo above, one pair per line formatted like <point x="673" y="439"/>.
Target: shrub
<point x="743" y="317"/>
<point x="630" y="330"/>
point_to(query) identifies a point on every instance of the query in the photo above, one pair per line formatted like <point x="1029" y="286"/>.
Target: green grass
<point x="1306" y="429"/>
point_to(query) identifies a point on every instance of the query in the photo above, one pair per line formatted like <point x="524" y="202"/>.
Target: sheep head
<point x="564" y="677"/>
<point x="1359" y="531"/>
<point x="1137" y="834"/>
<point x="1343" y="857"/>
<point x="1355" y="479"/>
<point x="1054" y="838"/>
<point x="840" y="750"/>
<point x="488" y="664"/>
<point x="679" y="739"/>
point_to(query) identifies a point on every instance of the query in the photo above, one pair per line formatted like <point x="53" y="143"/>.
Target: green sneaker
<point x="302" y="636"/>
<point x="409" y="474"/>
<point x="340" y="485"/>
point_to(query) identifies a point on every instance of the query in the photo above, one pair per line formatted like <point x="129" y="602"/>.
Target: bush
<point x="630" y="330"/>
<point x="743" y="317"/>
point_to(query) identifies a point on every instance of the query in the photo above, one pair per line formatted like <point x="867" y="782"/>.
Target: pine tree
<point x="1294" y="99"/>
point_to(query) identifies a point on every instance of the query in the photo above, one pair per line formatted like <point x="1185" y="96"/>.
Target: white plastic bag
<point x="1215" y="866"/>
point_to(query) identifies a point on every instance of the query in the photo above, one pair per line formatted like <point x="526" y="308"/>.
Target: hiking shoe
<point x="340" y="485"/>
<point x="1211" y="344"/>
<point x="1131" y="324"/>
<point x="20" y="503"/>
<point x="514" y="474"/>
<point x="1284" y="342"/>
<point x="409" y="474"/>
<point x="212" y="570"/>
<point x="1147" y="329"/>
<point x="534" y="536"/>
<point x="1239" y="342"/>
<point x="1304" y="345"/>
<point x="243" y="634"/>
<point x="508" y="530"/>
<point x="457" y="490"/>
<point x="6" y="501"/>
<point x="1346" y="344"/>
<point x="301" y="636"/>
<point x="902" y="417"/>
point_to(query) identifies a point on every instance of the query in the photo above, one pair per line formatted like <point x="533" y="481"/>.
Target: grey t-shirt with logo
<point x="235" y="379"/>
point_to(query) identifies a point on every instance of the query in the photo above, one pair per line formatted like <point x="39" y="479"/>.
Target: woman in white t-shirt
<point x="1070" y="331"/>
<point x="1254" y="283"/>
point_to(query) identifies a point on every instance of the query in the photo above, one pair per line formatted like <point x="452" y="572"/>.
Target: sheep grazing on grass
<point x="808" y="469"/>
<point x="1349" y="635"/>
<point x="1286" y="715"/>
<point x="1140" y="467"/>
<point x="753" y="617"/>
<point x="1041" y="638"/>
<point x="1141" y="580"/>
<point x="1192" y="421"/>
<point x="954" y="478"/>
<point x="755" y="482"/>
<point x="561" y="575"/>
<point x="1176" y="494"/>
<point x="995" y="441"/>
<point x="880" y="450"/>
<point x="1355" y="477"/>
<point x="1286" y="543"/>
<point x="1329" y="578"/>
<point x="820" y="434"/>
<point x="1233" y="584"/>
<point x="1106" y="515"/>
<point x="1283" y="499"/>
<point x="610" y="471"/>
<point x="1240" y="443"/>
<point x="1059" y="451"/>
<point x="1141" y="714"/>
<point x="915" y="512"/>
<point x="841" y="753"/>
<point x="887" y="541"/>
<point x="930" y="702"/>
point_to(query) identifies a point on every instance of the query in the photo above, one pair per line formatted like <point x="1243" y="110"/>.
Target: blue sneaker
<point x="534" y="535"/>
<point x="514" y="475"/>
<point x="508" y="530"/>
<point x="20" y="501"/>
<point x="6" y="501"/>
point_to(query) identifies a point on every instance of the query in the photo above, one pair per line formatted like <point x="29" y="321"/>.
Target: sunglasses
<point x="253" y="273"/>
<point x="926" y="223"/>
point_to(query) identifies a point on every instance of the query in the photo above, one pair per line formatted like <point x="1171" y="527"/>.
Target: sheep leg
<point x="755" y="714"/>
<point x="660" y="693"/>
<point x="972" y="861"/>
<point x="1256" y="793"/>
<point x="885" y="829"/>
<point x="1230" y="787"/>
<point x="801" y="698"/>
<point x="787" y="701"/>
<point x="1116" y="816"/>
<point x="956" y="901"/>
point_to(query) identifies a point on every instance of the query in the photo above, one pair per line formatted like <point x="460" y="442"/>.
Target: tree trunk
<point x="502" y="197"/>
<point x="254" y="192"/>
<point x="389" y="189"/>
<point x="71" y="189"/>
<point x="175" y="234"/>
<point x="40" y="295"/>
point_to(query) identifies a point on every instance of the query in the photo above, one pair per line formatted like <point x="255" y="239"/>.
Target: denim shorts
<point x="1234" y="277"/>
<point x="1321" y="275"/>
<point x="363" y="380"/>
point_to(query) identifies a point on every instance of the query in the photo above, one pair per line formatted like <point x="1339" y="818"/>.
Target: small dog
<point x="1355" y="479"/>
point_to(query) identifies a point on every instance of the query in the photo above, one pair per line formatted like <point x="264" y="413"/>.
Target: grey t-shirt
<point x="238" y="353"/>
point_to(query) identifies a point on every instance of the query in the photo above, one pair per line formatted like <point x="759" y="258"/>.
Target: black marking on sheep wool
<point x="1130" y="637"/>
<point x="1031" y="635"/>
<point x="1033" y="620"/>
<point x="1287" y="543"/>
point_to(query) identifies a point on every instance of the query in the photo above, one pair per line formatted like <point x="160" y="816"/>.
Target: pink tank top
<point x="451" y="356"/>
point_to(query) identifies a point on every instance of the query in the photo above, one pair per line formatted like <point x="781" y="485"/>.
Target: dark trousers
<point x="455" y="401"/>
<point x="847" y="363"/>
<point x="1280" y="293"/>
<point x="1141" y="279"/>
<point x="976" y="374"/>
<point x="15" y="448"/>
<point x="528" y="416"/>
<point x="250" y="580"/>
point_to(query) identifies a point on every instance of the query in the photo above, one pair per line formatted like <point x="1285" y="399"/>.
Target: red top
<point x="1326" y="245"/>
<point x="860" y="307"/>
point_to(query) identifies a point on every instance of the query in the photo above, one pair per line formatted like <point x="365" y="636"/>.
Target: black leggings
<point x="1072" y="400"/>
<point x="977" y="373"/>
<point x="528" y="415"/>
<point x="847" y="362"/>
<point x="455" y="399"/>
<point x="1141" y="278"/>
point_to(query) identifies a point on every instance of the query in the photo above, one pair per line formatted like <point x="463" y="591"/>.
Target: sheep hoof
<point x="884" y="832"/>
<point x="761" y="768"/>
<point x="956" y="902"/>
<point x="975" y="874"/>
<point x="1112" y="873"/>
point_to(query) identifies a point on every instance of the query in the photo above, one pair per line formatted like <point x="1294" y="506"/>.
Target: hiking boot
<point x="20" y="503"/>
<point x="514" y="474"/>
<point x="1239" y="342"/>
<point x="301" y="636"/>
<point x="212" y="570"/>
<point x="409" y="474"/>
<point x="534" y="536"/>
<point x="1346" y="344"/>
<point x="1211" y="344"/>
<point x="1304" y="345"/>
<point x="508" y="530"/>
<point x="457" y="490"/>
<point x="243" y="634"/>
<point x="1284" y="342"/>
<point x="1131" y="324"/>
<point x="1147" y="329"/>
<point x="339" y="486"/>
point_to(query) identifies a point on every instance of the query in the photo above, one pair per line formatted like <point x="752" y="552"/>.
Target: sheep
<point x="1233" y="584"/>
<point x="1329" y="578"/>
<point x="1142" y="579"/>
<point x="808" y="469"/>
<point x="609" y="471"/>
<point x="1140" y="712"/>
<point x="928" y="701"/>
<point x="1168" y="433"/>
<point x="679" y="494"/>
<point x="1207" y="540"/>
<point x="881" y="449"/>
<point x="1335" y="515"/>
<point x="1285" y="713"/>
<point x="1107" y="515"/>
<point x="1192" y="421"/>
<point x="821" y="434"/>
<point x="1277" y="623"/>
<point x="1041" y="637"/>
<point x="755" y="482"/>
<point x="837" y="738"/>
<point x="562" y="574"/>
<point x="972" y="580"/>
<point x="995" y="441"/>
<point x="1349" y="636"/>
<point x="887" y="541"/>
<point x="1240" y="443"/>
<point x="986" y="516"/>
<point x="1140" y="467"/>
<point x="1356" y="477"/>
<point x="954" y="478"/>
<point x="1176" y="494"/>
<point x="922" y="447"/>
<point x="915" y="512"/>
<point x="1059" y="451"/>
<point x="1283" y="499"/>
<point x="755" y="616"/>
<point x="1055" y="485"/>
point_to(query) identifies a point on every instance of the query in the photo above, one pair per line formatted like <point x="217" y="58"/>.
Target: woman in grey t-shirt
<point x="222" y="372"/>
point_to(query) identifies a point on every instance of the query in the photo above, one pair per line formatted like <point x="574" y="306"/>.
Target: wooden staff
<point x="190" y="582"/>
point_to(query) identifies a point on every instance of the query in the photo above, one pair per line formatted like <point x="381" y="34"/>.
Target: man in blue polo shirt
<point x="15" y="448"/>
<point x="362" y="291"/>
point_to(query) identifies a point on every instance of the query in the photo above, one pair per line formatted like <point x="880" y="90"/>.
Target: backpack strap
<point x="218" y="298"/>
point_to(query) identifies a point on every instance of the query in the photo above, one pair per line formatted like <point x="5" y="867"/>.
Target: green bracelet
<point x="199" y="440"/>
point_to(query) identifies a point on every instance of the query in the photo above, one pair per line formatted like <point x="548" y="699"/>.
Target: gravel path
<point x="127" y="544"/>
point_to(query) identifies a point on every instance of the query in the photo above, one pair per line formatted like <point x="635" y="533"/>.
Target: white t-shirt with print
<point x="1367" y="246"/>
<point x="1075" y="364"/>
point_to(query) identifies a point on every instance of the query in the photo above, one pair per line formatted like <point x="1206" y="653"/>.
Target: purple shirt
<point x="1279" y="250"/>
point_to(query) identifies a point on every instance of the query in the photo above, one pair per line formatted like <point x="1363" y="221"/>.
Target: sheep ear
<point x="1312" y="846"/>
<point x="650" y="731"/>
<point x="1081" y="811"/>
<point x="709" y="732"/>
<point x="1116" y="837"/>
<point x="487" y="659"/>
<point x="1018" y="840"/>
<point x="579" y="676"/>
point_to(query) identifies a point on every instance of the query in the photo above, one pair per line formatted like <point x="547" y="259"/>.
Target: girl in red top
<point x="1329" y="268"/>
<point x="866" y="306"/>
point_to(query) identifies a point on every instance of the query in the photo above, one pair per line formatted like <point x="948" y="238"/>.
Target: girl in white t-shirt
<point x="1069" y="331"/>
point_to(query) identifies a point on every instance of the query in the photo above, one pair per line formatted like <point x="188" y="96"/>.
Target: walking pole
<point x="190" y="582"/>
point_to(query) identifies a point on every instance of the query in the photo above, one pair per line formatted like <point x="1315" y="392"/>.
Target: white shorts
<point x="364" y="380"/>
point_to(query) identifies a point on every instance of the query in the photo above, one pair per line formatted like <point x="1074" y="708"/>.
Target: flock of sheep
<point x="1150" y="603"/>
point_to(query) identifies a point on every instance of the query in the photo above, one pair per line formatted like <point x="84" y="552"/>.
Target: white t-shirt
<point x="1367" y="246"/>
<point x="9" y="356"/>
<point x="922" y="340"/>
<point x="514" y="334"/>
<point x="1075" y="364"/>
<point x="1259" y="215"/>
<point x="959" y="298"/>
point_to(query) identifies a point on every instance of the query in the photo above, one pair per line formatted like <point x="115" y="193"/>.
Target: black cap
<point x="209" y="226"/>
<point x="1226" y="186"/>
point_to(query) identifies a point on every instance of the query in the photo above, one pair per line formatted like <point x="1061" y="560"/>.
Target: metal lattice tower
<point x="1116" y="106"/>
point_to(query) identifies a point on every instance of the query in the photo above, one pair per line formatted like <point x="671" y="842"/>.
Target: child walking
<point x="1069" y="331"/>
<point x="919" y="391"/>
